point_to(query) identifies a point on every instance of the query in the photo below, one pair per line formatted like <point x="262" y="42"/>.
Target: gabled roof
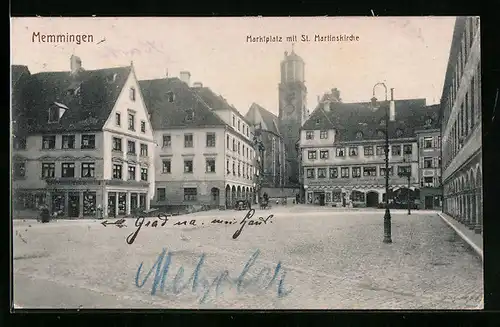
<point x="350" y="118"/>
<point x="17" y="72"/>
<point x="270" y="120"/>
<point x="166" y="114"/>
<point x="216" y="102"/>
<point x="88" y="111"/>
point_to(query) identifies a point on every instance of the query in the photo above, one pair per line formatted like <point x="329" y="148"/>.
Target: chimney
<point x="185" y="76"/>
<point x="197" y="84"/>
<point x="392" y="107"/>
<point x="75" y="64"/>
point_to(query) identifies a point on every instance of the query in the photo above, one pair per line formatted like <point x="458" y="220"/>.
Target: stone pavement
<point x="332" y="259"/>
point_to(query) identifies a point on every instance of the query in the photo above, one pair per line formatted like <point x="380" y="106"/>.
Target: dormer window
<point x="399" y="132"/>
<point x="318" y="121"/>
<point x="382" y="122"/>
<point x="189" y="115"/>
<point x="170" y="96"/>
<point x="380" y="133"/>
<point x="53" y="115"/>
<point x="359" y="135"/>
<point x="132" y="93"/>
<point x="428" y="122"/>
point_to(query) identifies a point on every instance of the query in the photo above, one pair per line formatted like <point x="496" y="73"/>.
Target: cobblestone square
<point x="322" y="258"/>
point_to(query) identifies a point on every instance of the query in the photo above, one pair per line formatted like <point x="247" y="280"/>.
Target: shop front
<point x="126" y="203"/>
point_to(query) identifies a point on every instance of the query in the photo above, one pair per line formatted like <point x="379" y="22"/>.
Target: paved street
<point x="329" y="259"/>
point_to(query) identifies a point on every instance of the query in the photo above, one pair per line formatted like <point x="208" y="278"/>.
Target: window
<point x="144" y="150"/>
<point x="68" y="169"/>
<point x="428" y="162"/>
<point x="188" y="140"/>
<point x="380" y="150"/>
<point x="323" y="154"/>
<point x="239" y="169"/>
<point x="382" y="171"/>
<point x="234" y="169"/>
<point x="161" y="194"/>
<point x="239" y="125"/>
<point x="210" y="165"/>
<point x="428" y="181"/>
<point x="144" y="174"/>
<point x="190" y="194"/>
<point x="188" y="166"/>
<point x="427" y="143"/>
<point x="358" y="196"/>
<point x="170" y="96"/>
<point x="321" y="172"/>
<point x="132" y="93"/>
<point x="380" y="133"/>
<point x="117" y="171"/>
<point x="234" y="145"/>
<point x="353" y="151"/>
<point x="19" y="169"/>
<point x="340" y="152"/>
<point x="88" y="169"/>
<point x="68" y="142"/>
<point x="118" y="119"/>
<point x="368" y="150"/>
<point x="396" y="150"/>
<point x="407" y="149"/>
<point x="48" y="170"/>
<point x="239" y="147"/>
<point x="117" y="144"/>
<point x="131" y="122"/>
<point x="323" y="135"/>
<point x="88" y="142"/>
<point x="344" y="172"/>
<point x="167" y="140"/>
<point x="166" y="164"/>
<point x="428" y="122"/>
<point x="403" y="170"/>
<point x="334" y="173"/>
<point x="311" y="154"/>
<point x="131" y="147"/>
<point x="310" y="173"/>
<point x="359" y="135"/>
<point x="228" y="171"/>
<point x="189" y="115"/>
<point x="210" y="140"/>
<point x="143" y="126"/>
<point x="228" y="143"/>
<point x="234" y="121"/>
<point x="19" y="143"/>
<point x="439" y="162"/>
<point x="131" y="173"/>
<point x="49" y="142"/>
<point x="53" y="115"/>
<point x="369" y="171"/>
<point x="399" y="132"/>
<point x="309" y="135"/>
<point x="356" y="172"/>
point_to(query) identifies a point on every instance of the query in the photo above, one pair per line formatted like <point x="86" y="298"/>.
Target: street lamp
<point x="387" y="215"/>
<point x="407" y="173"/>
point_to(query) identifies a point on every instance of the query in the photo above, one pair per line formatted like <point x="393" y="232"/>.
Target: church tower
<point x="292" y="112"/>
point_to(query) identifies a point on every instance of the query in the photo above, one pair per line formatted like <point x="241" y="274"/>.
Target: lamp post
<point x="387" y="215"/>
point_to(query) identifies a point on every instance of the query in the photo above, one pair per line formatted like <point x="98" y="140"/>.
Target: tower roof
<point x="292" y="56"/>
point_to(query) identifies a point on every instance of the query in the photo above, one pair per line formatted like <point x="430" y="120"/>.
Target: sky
<point x="409" y="54"/>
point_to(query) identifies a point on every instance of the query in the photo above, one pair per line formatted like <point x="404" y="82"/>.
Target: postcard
<point x="246" y="163"/>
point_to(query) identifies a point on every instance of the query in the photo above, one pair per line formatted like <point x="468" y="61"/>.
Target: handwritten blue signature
<point x="202" y="287"/>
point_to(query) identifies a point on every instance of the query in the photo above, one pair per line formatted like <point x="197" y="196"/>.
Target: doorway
<point x="73" y="205"/>
<point x="214" y="197"/>
<point x="372" y="199"/>
<point x="429" y="202"/>
<point x="112" y="204"/>
<point x="322" y="199"/>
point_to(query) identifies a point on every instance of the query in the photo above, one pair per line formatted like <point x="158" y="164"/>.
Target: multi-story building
<point x="204" y="154"/>
<point x="83" y="141"/>
<point x="267" y="124"/>
<point x="461" y="126"/>
<point x="429" y="165"/>
<point x="343" y="152"/>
